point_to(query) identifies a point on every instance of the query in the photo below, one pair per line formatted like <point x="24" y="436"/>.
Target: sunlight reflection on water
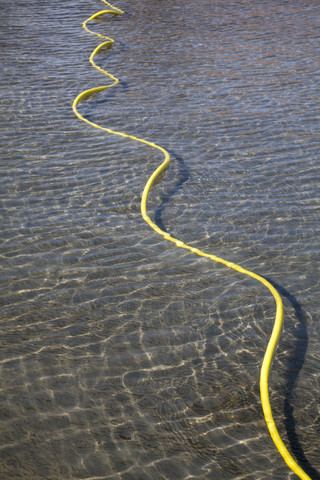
<point x="123" y="357"/>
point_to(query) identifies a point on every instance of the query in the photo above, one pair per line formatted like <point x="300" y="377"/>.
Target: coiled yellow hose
<point x="265" y="369"/>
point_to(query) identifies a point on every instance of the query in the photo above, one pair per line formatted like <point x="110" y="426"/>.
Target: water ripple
<point x="122" y="358"/>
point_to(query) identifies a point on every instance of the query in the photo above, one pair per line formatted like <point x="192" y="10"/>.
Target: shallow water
<point x="123" y="357"/>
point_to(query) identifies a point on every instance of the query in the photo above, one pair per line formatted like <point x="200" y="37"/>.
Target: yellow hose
<point x="264" y="375"/>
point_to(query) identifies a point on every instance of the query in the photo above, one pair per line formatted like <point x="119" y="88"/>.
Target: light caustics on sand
<point x="265" y="369"/>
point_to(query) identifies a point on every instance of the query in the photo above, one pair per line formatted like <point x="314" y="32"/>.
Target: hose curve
<point x="269" y="354"/>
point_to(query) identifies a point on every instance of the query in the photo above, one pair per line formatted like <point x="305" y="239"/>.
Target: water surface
<point x="123" y="357"/>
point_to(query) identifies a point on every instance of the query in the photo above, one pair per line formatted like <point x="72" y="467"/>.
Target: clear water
<point x="123" y="357"/>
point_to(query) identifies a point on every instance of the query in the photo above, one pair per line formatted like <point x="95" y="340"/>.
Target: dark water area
<point x="123" y="357"/>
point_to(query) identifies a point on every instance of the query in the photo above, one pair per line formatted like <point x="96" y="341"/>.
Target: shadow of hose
<point x="295" y="362"/>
